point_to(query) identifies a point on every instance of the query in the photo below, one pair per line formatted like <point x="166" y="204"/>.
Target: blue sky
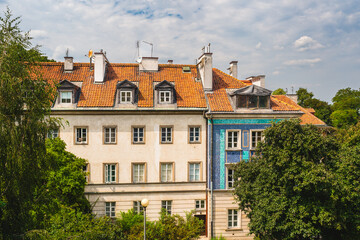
<point x="311" y="44"/>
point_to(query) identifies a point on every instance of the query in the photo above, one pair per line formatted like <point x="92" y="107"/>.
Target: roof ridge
<point x="247" y="81"/>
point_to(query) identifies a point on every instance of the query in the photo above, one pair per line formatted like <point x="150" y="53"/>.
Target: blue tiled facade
<point x="220" y="155"/>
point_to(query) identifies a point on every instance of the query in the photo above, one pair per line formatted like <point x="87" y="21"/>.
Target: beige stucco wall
<point x="222" y="201"/>
<point x="182" y="192"/>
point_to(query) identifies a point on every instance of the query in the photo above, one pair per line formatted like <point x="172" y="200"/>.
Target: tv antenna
<point x="152" y="47"/>
<point x="67" y="52"/>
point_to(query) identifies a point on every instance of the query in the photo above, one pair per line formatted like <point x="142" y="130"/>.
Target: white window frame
<point x="262" y="137"/>
<point x="165" y="96"/>
<point x="167" y="205"/>
<point x="65" y="99"/>
<point x="166" y="134"/>
<point x="235" y="143"/>
<point x="81" y="135"/>
<point x="137" y="207"/>
<point x="110" y="209"/>
<point x="230" y="178"/>
<point x="110" y="172"/>
<point x="109" y="135"/>
<point x="193" y="130"/>
<point x="126" y="96"/>
<point x="233" y="218"/>
<point x="137" y="177"/>
<point x="86" y="170"/>
<point x="168" y="167"/>
<point x="53" y="133"/>
<point x="200" y="205"/>
<point x="194" y="171"/>
<point x="136" y="138"/>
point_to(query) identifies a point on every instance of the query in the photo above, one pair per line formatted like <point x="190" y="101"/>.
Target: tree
<point x="62" y="185"/>
<point x="279" y="91"/>
<point x="322" y="109"/>
<point x="346" y="108"/>
<point x="294" y="189"/>
<point x="24" y="119"/>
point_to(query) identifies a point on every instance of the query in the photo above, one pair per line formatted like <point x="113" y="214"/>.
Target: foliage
<point x="346" y="108"/>
<point x="294" y="189"/>
<point x="279" y="91"/>
<point x="63" y="184"/>
<point x="71" y="224"/>
<point x="129" y="220"/>
<point x="322" y="109"/>
<point x="169" y="227"/>
<point x="24" y="119"/>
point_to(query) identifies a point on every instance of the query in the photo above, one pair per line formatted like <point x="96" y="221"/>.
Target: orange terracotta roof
<point x="189" y="93"/>
<point x="219" y="101"/>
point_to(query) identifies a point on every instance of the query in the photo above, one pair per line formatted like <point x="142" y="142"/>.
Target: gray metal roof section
<point x="253" y="90"/>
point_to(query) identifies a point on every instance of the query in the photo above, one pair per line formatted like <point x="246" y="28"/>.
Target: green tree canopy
<point x="279" y="91"/>
<point x="322" y="109"/>
<point x="294" y="189"/>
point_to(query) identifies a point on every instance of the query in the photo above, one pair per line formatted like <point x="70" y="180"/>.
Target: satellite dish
<point x="139" y="60"/>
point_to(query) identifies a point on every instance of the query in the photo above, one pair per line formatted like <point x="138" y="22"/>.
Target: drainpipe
<point x="211" y="179"/>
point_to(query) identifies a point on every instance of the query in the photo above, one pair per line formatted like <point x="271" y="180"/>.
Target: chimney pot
<point x="170" y="61"/>
<point x="233" y="69"/>
<point x="99" y="67"/>
<point x="204" y="66"/>
<point x="149" y="64"/>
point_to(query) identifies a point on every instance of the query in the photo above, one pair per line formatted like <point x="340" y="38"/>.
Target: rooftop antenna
<point x="67" y="52"/>
<point x="152" y="47"/>
<point x="286" y="90"/>
<point x="292" y="89"/>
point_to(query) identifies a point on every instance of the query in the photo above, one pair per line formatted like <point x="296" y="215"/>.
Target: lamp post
<point x="144" y="203"/>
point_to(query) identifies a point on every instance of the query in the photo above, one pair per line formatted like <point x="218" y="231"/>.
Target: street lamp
<point x="144" y="203"/>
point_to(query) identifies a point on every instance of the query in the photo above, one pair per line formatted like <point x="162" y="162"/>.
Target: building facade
<point x="166" y="132"/>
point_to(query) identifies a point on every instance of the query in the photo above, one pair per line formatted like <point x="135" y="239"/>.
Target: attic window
<point x="164" y="96"/>
<point x="252" y="101"/>
<point x="126" y="96"/>
<point x="65" y="96"/>
<point x="186" y="69"/>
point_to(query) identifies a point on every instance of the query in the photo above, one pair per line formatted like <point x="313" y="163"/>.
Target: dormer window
<point x="127" y="92"/>
<point x="65" y="96"/>
<point x="68" y="93"/>
<point x="126" y="96"/>
<point x="165" y="93"/>
<point x="253" y="97"/>
<point x="164" y="96"/>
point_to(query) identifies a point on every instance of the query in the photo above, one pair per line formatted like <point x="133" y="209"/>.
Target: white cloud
<point x="302" y="62"/>
<point x="276" y="73"/>
<point x="38" y="33"/>
<point x="258" y="46"/>
<point x="307" y="43"/>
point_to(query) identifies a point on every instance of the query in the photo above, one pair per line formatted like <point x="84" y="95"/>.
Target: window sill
<point x="138" y="143"/>
<point x="194" y="142"/>
<point x="109" y="143"/>
<point x="233" y="149"/>
<point x="233" y="229"/>
<point x="78" y="143"/>
<point x="166" y="143"/>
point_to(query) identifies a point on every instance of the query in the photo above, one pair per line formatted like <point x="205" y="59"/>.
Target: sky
<point x="310" y="44"/>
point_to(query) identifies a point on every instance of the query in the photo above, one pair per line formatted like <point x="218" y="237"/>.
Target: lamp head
<point x="144" y="202"/>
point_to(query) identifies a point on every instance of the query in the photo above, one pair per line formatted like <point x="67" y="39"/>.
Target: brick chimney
<point x="99" y="67"/>
<point x="257" y="80"/>
<point x="233" y="69"/>
<point x="69" y="64"/>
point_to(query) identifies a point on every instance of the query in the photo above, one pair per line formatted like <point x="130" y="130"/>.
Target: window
<point x="194" y="172"/>
<point x="230" y="178"/>
<point x="256" y="137"/>
<point x="53" y="133"/>
<point x="232" y="218"/>
<point x="253" y="101"/>
<point x="167" y="206"/>
<point x="166" y="172"/>
<point x="109" y="135"/>
<point x="86" y="171"/>
<point x="81" y="135"/>
<point x="125" y="96"/>
<point x="166" y="134"/>
<point x="199" y="204"/>
<point x="138" y="173"/>
<point x="138" y="208"/>
<point x="138" y="135"/>
<point x="65" y="96"/>
<point x="194" y="134"/>
<point x="164" y="96"/>
<point x="110" y="173"/>
<point x="110" y="209"/>
<point x="233" y="139"/>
